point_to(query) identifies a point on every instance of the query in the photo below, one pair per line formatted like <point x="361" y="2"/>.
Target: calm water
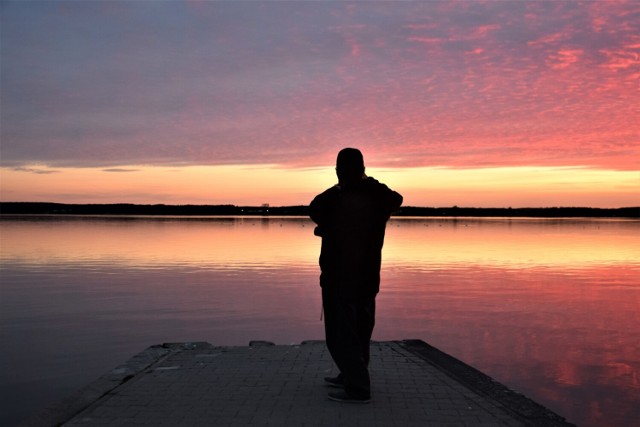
<point x="547" y="307"/>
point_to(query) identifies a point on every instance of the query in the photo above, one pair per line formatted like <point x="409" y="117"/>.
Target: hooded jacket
<point x="351" y="219"/>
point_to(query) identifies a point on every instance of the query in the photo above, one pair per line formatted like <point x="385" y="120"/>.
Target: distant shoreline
<point x="43" y="208"/>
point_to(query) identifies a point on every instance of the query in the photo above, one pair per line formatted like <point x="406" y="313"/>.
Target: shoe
<point x="341" y="396"/>
<point x="335" y="381"/>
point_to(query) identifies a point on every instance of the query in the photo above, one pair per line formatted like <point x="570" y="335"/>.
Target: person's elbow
<point x="397" y="201"/>
<point x="315" y="215"/>
<point x="314" y="211"/>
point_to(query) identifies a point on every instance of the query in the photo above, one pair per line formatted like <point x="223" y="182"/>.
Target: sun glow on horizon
<point x="521" y="186"/>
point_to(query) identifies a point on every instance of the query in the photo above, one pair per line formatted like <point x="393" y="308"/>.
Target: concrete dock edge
<point x="512" y="401"/>
<point x="65" y="409"/>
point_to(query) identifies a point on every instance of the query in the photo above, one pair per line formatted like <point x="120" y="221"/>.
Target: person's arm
<point x="315" y="210"/>
<point x="391" y="200"/>
<point x="318" y="212"/>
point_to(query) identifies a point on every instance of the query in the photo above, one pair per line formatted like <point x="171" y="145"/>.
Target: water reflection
<point x="142" y="243"/>
<point x="414" y="243"/>
<point x="511" y="243"/>
<point x="547" y="307"/>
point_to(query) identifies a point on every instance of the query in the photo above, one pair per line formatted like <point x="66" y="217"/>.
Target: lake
<point x="548" y="307"/>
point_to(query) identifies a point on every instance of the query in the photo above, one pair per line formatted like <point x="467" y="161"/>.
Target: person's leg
<point x="366" y="323"/>
<point x="353" y="359"/>
<point x="344" y="326"/>
<point x="332" y="326"/>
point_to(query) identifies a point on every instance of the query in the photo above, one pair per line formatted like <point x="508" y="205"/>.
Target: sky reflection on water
<point x="548" y="307"/>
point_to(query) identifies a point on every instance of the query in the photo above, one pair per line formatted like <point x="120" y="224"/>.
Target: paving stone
<point x="197" y="384"/>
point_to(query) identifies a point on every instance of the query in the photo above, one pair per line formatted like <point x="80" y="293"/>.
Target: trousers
<point x="348" y="322"/>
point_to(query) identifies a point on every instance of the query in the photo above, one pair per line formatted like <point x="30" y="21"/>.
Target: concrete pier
<point x="198" y="384"/>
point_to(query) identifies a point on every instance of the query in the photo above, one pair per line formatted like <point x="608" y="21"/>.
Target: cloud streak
<point x="120" y="170"/>
<point x="37" y="171"/>
<point x="458" y="84"/>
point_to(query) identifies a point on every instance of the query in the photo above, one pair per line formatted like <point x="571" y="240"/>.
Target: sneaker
<point x="341" y="396"/>
<point x="335" y="381"/>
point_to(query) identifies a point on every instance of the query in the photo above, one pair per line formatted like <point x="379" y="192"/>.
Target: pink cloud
<point x="564" y="58"/>
<point x="622" y="59"/>
<point x="425" y="40"/>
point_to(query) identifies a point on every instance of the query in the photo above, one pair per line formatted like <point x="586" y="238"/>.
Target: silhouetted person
<point x="351" y="218"/>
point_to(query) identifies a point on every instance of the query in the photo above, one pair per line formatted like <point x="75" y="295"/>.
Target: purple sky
<point x="462" y="84"/>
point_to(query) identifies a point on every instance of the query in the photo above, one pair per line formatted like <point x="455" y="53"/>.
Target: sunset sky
<point x="496" y="103"/>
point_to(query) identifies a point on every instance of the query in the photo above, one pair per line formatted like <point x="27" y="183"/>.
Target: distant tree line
<point x="550" y="212"/>
<point x="36" y="208"/>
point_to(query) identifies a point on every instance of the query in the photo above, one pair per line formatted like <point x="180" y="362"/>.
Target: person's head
<point x="349" y="165"/>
